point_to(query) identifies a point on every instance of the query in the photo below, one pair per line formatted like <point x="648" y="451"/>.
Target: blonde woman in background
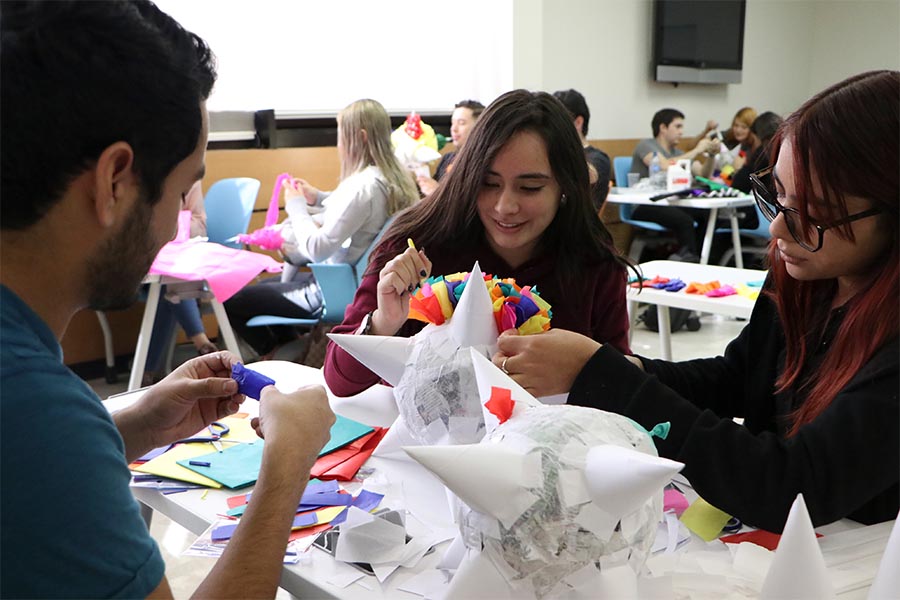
<point x="373" y="187"/>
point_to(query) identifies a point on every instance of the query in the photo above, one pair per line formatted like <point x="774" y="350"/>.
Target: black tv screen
<point x="700" y="41"/>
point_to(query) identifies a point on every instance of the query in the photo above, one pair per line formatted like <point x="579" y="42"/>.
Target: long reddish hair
<point x="848" y="136"/>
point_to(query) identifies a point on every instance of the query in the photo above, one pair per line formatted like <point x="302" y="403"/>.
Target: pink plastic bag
<point x="268" y="238"/>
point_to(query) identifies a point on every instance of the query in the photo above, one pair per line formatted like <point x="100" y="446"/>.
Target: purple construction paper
<point x="250" y="383"/>
<point x="305" y="520"/>
<point x="153" y="453"/>
<point x="366" y="501"/>
<point x="328" y="499"/>
<point x="220" y="534"/>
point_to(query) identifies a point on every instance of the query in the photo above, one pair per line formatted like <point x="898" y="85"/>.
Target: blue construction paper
<point x="334" y="499"/>
<point x="220" y="534"/>
<point x="250" y="383"/>
<point x="305" y="520"/>
<point x="238" y="465"/>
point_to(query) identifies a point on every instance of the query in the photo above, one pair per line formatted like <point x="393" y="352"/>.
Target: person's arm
<point x="295" y="426"/>
<point x="386" y="297"/>
<point x="840" y="461"/>
<point x="711" y="125"/>
<point x="193" y="201"/>
<point x="350" y="207"/>
<point x="196" y="393"/>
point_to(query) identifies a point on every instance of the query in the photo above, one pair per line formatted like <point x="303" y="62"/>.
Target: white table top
<point x="733" y="306"/>
<point x="633" y="196"/>
<point x="851" y="557"/>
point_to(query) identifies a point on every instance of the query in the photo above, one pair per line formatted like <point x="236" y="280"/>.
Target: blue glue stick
<point x="250" y="383"/>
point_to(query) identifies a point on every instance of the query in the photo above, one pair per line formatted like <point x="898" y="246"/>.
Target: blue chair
<point x="760" y="232"/>
<point x="229" y="204"/>
<point x="338" y="283"/>
<point x="621" y="166"/>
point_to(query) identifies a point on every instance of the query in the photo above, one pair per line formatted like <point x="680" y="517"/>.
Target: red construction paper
<point x="760" y="537"/>
<point x="346" y="470"/>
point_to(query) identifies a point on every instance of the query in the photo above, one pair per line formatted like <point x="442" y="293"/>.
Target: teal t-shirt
<point x="69" y="526"/>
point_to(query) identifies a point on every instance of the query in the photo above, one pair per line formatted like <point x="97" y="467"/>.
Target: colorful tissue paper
<point x="514" y="307"/>
<point x="250" y="383"/>
<point x="269" y="236"/>
<point x="721" y="292"/>
<point x="747" y="290"/>
<point x="695" y="287"/>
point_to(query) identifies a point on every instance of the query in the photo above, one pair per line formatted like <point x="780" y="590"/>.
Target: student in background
<point x="739" y="138"/>
<point x="465" y="114"/>
<point x="518" y="202"/>
<point x="688" y="224"/>
<point x="581" y="116"/>
<point x="186" y="312"/>
<point x="668" y="129"/>
<point x="764" y="128"/>
<point x="815" y="373"/>
<point x="373" y="187"/>
<point x="90" y="194"/>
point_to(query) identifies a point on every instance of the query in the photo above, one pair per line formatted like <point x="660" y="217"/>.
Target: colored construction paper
<point x="342" y="464"/>
<point x="169" y="464"/>
<point x="309" y="531"/>
<point x="238" y="466"/>
<point x="760" y="537"/>
<point x="704" y="519"/>
<point x="250" y="383"/>
<point x="313" y="487"/>
<point x="343" y="432"/>
<point x="234" y="467"/>
<point x="366" y="500"/>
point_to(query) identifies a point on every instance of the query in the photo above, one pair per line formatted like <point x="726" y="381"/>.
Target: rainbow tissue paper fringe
<point x="516" y="307"/>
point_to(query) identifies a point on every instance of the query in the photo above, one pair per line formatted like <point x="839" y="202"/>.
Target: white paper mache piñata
<point x="432" y="374"/>
<point x="552" y="492"/>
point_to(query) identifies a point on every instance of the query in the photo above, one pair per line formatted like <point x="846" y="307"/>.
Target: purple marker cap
<point x="250" y="383"/>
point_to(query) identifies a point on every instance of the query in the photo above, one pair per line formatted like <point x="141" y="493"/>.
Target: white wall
<point x="792" y="49"/>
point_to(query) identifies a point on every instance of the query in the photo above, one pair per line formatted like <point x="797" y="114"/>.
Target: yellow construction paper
<point x="165" y="464"/>
<point x="704" y="519"/>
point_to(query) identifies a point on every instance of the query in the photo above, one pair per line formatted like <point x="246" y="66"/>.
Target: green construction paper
<point x="343" y="432"/>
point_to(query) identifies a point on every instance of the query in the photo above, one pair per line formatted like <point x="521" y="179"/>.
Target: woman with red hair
<point x="815" y="373"/>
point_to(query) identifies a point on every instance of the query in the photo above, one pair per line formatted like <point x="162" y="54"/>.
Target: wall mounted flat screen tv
<point x="698" y="41"/>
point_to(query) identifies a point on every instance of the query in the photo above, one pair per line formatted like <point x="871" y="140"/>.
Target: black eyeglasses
<point x="809" y="237"/>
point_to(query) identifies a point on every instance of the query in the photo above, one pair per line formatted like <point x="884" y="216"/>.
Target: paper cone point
<point x="887" y="579"/>
<point x="798" y="569"/>
<point x="619" y="479"/>
<point x="487" y="477"/>
<point x="472" y="323"/>
<point x="383" y="355"/>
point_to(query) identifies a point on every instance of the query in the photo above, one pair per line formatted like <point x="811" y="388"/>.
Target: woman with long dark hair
<point x="814" y="374"/>
<point x="518" y="201"/>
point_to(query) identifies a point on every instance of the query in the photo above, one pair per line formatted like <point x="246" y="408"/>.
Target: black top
<point x="446" y="161"/>
<point x="846" y="462"/>
<point x="600" y="160"/>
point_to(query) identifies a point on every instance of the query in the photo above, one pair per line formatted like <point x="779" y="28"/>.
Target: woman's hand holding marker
<point x="397" y="280"/>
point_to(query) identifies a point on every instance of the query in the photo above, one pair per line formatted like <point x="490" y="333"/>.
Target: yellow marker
<point x="203" y="496"/>
<point x="410" y="243"/>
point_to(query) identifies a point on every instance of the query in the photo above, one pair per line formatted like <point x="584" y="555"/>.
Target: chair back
<point x="621" y="165"/>
<point x="229" y="204"/>
<point x="360" y="267"/>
